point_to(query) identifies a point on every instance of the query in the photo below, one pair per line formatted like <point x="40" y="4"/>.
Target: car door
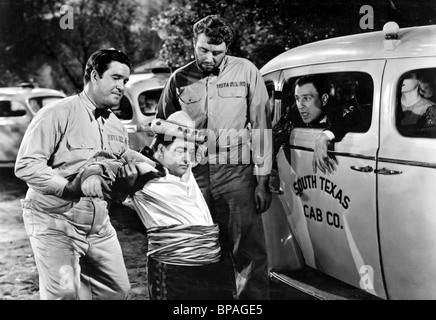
<point x="334" y="216"/>
<point x="282" y="248"/>
<point x="406" y="185"/>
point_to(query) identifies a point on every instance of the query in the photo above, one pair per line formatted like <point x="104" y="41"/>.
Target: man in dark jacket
<point x="316" y="107"/>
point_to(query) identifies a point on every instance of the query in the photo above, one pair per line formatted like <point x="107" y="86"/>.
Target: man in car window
<point x="148" y="104"/>
<point x="75" y="246"/>
<point x="227" y="96"/>
<point x="318" y="103"/>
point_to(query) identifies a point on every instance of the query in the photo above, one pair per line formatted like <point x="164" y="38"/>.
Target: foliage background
<point x="33" y="47"/>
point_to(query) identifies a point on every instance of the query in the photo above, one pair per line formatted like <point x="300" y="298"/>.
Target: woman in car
<point x="413" y="104"/>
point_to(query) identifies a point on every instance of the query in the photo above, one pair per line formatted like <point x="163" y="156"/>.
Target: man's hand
<point x="94" y="186"/>
<point x="274" y="183"/>
<point x="72" y="188"/>
<point x="126" y="176"/>
<point x="321" y="159"/>
<point x="262" y="194"/>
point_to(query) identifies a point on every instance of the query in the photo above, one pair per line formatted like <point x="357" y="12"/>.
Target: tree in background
<point x="266" y="28"/>
<point x="33" y="44"/>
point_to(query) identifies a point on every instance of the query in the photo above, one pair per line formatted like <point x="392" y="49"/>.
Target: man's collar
<point x="97" y="112"/>
<point x="215" y="71"/>
<point x="102" y="112"/>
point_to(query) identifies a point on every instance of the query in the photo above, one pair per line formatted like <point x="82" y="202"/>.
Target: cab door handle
<point x="387" y="171"/>
<point x="362" y="169"/>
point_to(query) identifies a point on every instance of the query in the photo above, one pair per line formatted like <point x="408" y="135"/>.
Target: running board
<point x="320" y="286"/>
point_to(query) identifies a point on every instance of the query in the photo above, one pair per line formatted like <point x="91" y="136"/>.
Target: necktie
<point x="102" y="112"/>
<point x="215" y="71"/>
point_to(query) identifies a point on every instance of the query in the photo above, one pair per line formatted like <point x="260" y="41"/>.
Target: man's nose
<point x="209" y="56"/>
<point x="185" y="158"/>
<point x="120" y="86"/>
<point x="301" y="105"/>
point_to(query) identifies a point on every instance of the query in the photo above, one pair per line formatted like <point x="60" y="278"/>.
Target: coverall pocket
<point x="81" y="146"/>
<point x="28" y="217"/>
<point x="233" y="104"/>
<point x="232" y="92"/>
<point x="117" y="147"/>
<point x="190" y="101"/>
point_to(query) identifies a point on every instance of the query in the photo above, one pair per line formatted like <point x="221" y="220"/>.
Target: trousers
<point x="179" y="282"/>
<point x="77" y="253"/>
<point x="229" y="190"/>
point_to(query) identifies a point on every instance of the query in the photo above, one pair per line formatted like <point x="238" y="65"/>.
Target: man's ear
<point x="324" y="99"/>
<point x="93" y="76"/>
<point x="159" y="150"/>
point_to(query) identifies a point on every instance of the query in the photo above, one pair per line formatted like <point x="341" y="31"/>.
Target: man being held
<point x="184" y="251"/>
<point x="227" y="96"/>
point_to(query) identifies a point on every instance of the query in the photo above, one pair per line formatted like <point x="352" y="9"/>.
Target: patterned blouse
<point x="429" y="117"/>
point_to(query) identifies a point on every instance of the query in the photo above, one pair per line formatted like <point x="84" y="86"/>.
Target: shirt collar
<point x="185" y="178"/>
<point x="217" y="71"/>
<point x="90" y="106"/>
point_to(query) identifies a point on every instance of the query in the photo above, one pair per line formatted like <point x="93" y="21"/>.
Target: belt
<point x="191" y="245"/>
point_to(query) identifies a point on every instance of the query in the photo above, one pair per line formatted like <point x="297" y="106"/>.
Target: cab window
<point x="346" y="91"/>
<point x="124" y="110"/>
<point x="11" y="109"/>
<point x="38" y="103"/>
<point x="148" y="101"/>
<point x="415" y="103"/>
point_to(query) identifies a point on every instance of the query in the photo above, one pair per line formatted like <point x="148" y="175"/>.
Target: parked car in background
<point x="138" y="105"/>
<point x="18" y="105"/>
<point x="371" y="224"/>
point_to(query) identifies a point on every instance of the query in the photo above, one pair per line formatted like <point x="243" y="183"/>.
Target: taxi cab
<point x="371" y="224"/>
<point x="18" y="105"/>
<point x="138" y="105"/>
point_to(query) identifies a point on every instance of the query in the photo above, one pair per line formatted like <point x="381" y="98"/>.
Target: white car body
<point x="18" y="105"/>
<point x="137" y="123"/>
<point x="372" y="223"/>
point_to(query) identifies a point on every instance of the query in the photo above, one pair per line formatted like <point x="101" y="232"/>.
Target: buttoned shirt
<point x="172" y="200"/>
<point x="61" y="138"/>
<point x="233" y="107"/>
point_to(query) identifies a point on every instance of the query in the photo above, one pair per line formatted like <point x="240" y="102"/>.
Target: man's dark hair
<point x="163" y="140"/>
<point x="319" y="81"/>
<point x="100" y="61"/>
<point x="216" y="29"/>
